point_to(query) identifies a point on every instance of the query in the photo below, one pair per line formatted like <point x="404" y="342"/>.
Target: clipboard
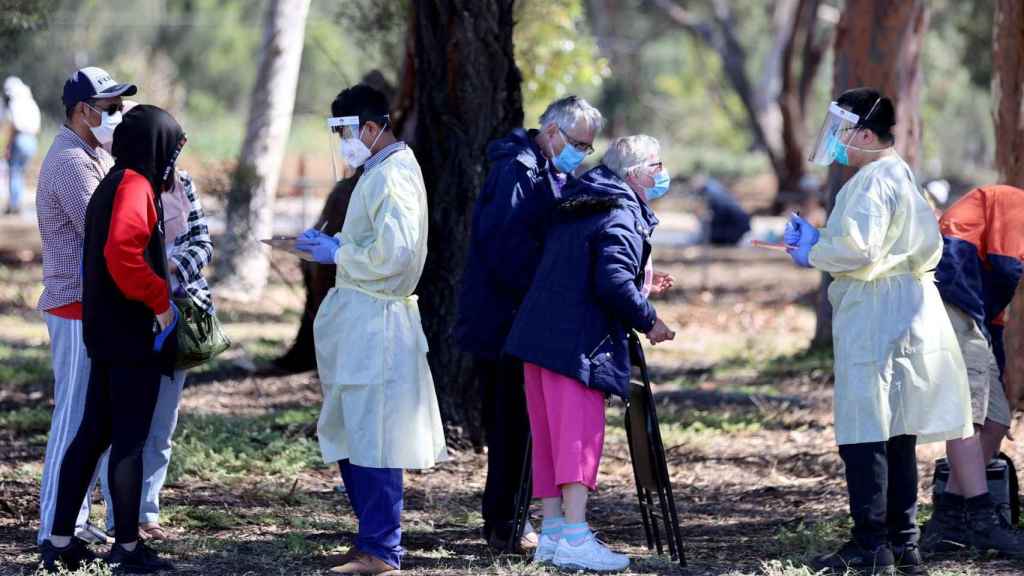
<point x="287" y="243"/>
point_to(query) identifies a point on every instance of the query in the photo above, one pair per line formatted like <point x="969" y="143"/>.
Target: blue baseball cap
<point x="91" y="82"/>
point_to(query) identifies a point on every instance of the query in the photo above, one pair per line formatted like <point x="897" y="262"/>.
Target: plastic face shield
<point x="836" y="128"/>
<point x="341" y="127"/>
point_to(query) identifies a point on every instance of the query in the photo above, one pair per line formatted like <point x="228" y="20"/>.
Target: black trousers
<point x="119" y="407"/>
<point x="507" y="430"/>
<point x="882" y="481"/>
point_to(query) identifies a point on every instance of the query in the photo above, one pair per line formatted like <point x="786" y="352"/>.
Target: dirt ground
<point x="746" y="419"/>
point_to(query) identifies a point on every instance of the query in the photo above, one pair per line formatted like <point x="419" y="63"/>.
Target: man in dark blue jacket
<point x="510" y="219"/>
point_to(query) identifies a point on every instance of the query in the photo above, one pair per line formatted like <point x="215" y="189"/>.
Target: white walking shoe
<point x="545" y="551"/>
<point x="591" y="554"/>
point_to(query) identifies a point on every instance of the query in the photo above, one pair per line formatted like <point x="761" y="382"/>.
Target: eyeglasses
<point x="581" y="146"/>
<point x="111" y="109"/>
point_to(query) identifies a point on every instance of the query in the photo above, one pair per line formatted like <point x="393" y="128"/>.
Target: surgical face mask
<point x="569" y="158"/>
<point x="838" y="151"/>
<point x="660" y="188"/>
<point x="104" y="133"/>
<point x="355" y="152"/>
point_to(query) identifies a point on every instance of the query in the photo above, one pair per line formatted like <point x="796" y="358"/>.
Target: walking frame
<point x="650" y="468"/>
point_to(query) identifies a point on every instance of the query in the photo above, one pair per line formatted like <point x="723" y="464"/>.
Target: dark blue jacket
<point x="586" y="293"/>
<point x="510" y="221"/>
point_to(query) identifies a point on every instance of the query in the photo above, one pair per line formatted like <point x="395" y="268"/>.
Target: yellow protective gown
<point x="379" y="409"/>
<point x="898" y="367"/>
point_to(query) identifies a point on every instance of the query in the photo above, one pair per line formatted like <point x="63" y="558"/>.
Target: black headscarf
<point x="148" y="140"/>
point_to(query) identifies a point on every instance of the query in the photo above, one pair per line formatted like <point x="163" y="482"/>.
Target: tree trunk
<point x="1013" y="341"/>
<point x="467" y="93"/>
<point x="878" y="44"/>
<point x="720" y="36"/>
<point x="1007" y="92"/>
<point x="1007" y="99"/>
<point x="244" y="264"/>
<point x="805" y="45"/>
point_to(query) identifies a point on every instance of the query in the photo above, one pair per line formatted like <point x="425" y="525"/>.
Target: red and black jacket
<point x="124" y="264"/>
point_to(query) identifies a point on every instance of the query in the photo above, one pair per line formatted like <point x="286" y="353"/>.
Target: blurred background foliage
<point x="197" y="58"/>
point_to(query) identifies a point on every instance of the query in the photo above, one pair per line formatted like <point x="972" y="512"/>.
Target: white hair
<point x="569" y="111"/>
<point x="627" y="153"/>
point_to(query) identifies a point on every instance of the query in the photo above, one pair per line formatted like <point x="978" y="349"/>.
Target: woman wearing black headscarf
<point x="128" y="325"/>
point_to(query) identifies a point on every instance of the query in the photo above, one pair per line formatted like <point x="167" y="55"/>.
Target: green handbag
<point x="200" y="336"/>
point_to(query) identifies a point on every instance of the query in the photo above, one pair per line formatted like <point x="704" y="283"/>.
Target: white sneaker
<point x="545" y="551"/>
<point x="591" y="554"/>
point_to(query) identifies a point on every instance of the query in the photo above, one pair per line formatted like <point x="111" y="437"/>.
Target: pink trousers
<point x="567" y="421"/>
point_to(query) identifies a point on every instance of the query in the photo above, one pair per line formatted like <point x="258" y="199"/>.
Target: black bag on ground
<point x="200" y="336"/>
<point x="1002" y="485"/>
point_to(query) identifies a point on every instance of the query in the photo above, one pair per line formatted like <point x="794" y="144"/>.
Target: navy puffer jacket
<point x="510" y="221"/>
<point x="585" y="296"/>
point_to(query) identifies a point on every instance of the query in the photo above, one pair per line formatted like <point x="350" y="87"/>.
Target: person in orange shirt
<point x="981" y="266"/>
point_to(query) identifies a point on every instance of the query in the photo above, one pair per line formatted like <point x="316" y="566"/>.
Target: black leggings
<point x="119" y="407"/>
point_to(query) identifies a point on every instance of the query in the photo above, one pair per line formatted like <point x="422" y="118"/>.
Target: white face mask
<point x="104" y="133"/>
<point x="355" y="152"/>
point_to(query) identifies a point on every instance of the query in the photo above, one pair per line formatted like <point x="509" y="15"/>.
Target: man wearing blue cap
<point x="74" y="165"/>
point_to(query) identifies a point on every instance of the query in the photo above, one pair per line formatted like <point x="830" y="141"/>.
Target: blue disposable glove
<point x="321" y="248"/>
<point x="161" y="337"/>
<point x="311" y="234"/>
<point x="800" y="237"/>
<point x="797" y="228"/>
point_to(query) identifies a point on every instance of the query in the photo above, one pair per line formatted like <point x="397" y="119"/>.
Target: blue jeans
<point x="156" y="455"/>
<point x="376" y="497"/>
<point x="71" y="368"/>
<point x="22" y="150"/>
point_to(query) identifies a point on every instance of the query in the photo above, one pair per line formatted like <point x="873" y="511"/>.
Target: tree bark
<point x="467" y="93"/>
<point x="806" y="45"/>
<point x="1007" y="92"/>
<point x="244" y="263"/>
<point x="878" y="44"/>
<point x="1007" y="99"/>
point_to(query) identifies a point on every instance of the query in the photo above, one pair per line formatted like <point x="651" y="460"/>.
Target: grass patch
<point x="94" y="568"/>
<point x="805" y="362"/>
<point x="806" y="540"/>
<point x="222" y="448"/>
<point x="25" y="421"/>
<point x="21" y="367"/>
<point x="199" y="517"/>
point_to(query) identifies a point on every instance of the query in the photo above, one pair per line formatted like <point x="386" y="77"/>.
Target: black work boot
<point x="71" y="557"/>
<point x="854" y="558"/>
<point x="908" y="560"/>
<point x="946" y="531"/>
<point x="141" y="560"/>
<point x="987" y="531"/>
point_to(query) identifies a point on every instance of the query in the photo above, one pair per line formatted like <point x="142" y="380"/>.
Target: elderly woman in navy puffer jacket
<point x="571" y="332"/>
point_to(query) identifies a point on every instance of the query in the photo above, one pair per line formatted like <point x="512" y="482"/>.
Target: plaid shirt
<point x="383" y="154"/>
<point x="69" y="175"/>
<point x="193" y="250"/>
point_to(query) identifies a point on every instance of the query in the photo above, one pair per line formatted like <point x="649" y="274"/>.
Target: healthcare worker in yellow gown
<point x="380" y="412"/>
<point x="899" y="375"/>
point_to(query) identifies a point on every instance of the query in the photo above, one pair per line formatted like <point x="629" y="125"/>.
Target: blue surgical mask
<point x="660" y="188"/>
<point x="569" y="158"/>
<point x="838" y="150"/>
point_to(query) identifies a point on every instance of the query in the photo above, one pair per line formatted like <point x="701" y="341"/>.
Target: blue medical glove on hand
<point x="322" y="248"/>
<point x="805" y="236"/>
<point x="161" y="337"/>
<point x="801" y="255"/>
<point x="311" y="234"/>
<point x="798" y="230"/>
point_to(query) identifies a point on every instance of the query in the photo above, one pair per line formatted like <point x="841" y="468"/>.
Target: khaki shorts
<point x="988" y="399"/>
